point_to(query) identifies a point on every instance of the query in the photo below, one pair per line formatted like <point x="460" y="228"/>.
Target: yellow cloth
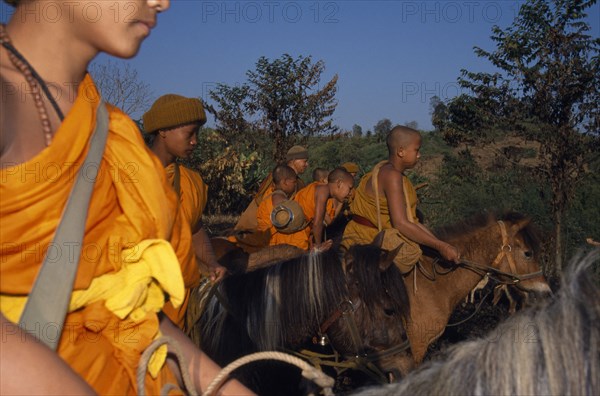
<point x="131" y="204"/>
<point x="364" y="205"/>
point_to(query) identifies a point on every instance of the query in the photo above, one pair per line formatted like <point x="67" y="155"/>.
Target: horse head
<point x="518" y="255"/>
<point x="376" y="310"/>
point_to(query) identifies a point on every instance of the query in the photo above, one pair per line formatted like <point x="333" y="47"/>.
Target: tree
<point x="120" y="85"/>
<point x="357" y="130"/>
<point x="381" y="129"/>
<point x="438" y="111"/>
<point x="547" y="90"/>
<point x="281" y="99"/>
<point x="412" y="124"/>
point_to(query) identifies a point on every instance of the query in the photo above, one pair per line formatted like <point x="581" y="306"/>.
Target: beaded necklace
<point x="35" y="81"/>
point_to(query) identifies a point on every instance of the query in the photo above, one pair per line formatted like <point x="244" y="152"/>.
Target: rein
<point x="495" y="273"/>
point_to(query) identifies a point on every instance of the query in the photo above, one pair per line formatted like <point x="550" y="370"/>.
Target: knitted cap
<point x="173" y="110"/>
<point x="351" y="167"/>
<point x="296" y="152"/>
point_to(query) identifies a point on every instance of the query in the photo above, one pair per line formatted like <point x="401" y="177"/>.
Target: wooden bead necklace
<point x="35" y="82"/>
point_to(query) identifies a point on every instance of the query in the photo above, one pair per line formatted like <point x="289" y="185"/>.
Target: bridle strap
<point x="493" y="272"/>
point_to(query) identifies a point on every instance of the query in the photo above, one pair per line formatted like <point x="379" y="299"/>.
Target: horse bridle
<point x="494" y="273"/>
<point x="361" y="360"/>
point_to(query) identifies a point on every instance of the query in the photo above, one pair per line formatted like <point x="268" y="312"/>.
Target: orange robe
<point x="263" y="216"/>
<point x="307" y="201"/>
<point x="364" y="205"/>
<point x="247" y="220"/>
<point x="193" y="193"/>
<point x="132" y="212"/>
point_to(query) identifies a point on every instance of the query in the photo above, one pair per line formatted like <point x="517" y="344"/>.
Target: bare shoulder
<point x="322" y="191"/>
<point x="389" y="176"/>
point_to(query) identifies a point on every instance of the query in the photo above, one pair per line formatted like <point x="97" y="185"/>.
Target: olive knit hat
<point x="170" y="111"/>
<point x="296" y="152"/>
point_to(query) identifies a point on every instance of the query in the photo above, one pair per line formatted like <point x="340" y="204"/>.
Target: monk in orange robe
<point x="397" y="198"/>
<point x="314" y="201"/>
<point x="133" y="240"/>
<point x="174" y="122"/>
<point x="284" y="179"/>
<point x="297" y="159"/>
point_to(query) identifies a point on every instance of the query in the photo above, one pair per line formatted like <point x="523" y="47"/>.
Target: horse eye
<point x="528" y="254"/>
<point x="389" y="312"/>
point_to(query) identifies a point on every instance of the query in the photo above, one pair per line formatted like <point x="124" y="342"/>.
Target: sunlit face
<point x="181" y="141"/>
<point x="116" y="27"/>
<point x="410" y="154"/>
<point x="299" y="165"/>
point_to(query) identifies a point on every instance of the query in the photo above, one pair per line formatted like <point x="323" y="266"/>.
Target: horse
<point x="357" y="302"/>
<point x="548" y="349"/>
<point x="501" y="248"/>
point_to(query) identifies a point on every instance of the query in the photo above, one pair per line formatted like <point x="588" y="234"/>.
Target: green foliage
<point x="283" y="100"/>
<point x="547" y="90"/>
<point x="381" y="129"/>
<point x="227" y="171"/>
<point x="331" y="152"/>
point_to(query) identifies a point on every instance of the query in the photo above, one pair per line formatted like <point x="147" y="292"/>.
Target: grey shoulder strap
<point x="48" y="302"/>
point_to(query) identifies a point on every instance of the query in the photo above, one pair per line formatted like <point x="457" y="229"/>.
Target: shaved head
<point x="320" y="174"/>
<point x="283" y="172"/>
<point x="400" y="136"/>
<point x="340" y="174"/>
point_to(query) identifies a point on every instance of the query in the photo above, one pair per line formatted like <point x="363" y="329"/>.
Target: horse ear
<point x="378" y="240"/>
<point x="387" y="258"/>
<point x="520" y="224"/>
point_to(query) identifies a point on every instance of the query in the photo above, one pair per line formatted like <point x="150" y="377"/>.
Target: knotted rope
<point x="309" y="372"/>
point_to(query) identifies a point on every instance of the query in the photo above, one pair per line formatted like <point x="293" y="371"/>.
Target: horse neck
<point x="480" y="246"/>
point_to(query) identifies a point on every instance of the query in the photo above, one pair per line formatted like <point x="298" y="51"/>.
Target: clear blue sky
<point x="391" y="56"/>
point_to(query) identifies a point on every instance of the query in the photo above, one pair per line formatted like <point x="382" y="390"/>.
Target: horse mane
<point x="373" y="284"/>
<point x="548" y="349"/>
<point x="486" y="218"/>
<point x="313" y="284"/>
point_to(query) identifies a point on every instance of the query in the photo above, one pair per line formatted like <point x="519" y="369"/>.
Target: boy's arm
<point x="392" y="185"/>
<point x="201" y="368"/>
<point x="321" y="196"/>
<point x="206" y="254"/>
<point x="30" y="368"/>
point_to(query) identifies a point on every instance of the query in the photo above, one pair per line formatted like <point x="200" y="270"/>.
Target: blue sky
<point x="391" y="56"/>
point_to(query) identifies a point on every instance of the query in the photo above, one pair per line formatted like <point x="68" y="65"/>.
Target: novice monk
<point x="313" y="200"/>
<point x="320" y="175"/>
<point x="397" y="198"/>
<point x="284" y="181"/>
<point x="174" y="122"/>
<point x="134" y="238"/>
<point x="297" y="159"/>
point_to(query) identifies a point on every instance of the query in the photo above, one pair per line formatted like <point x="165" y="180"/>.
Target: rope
<point x="477" y="308"/>
<point x="308" y="372"/>
<point x="145" y="358"/>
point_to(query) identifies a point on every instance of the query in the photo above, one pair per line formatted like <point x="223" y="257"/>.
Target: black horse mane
<point x="376" y="286"/>
<point x="286" y="303"/>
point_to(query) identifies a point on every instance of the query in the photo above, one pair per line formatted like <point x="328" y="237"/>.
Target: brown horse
<point x="503" y="248"/>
